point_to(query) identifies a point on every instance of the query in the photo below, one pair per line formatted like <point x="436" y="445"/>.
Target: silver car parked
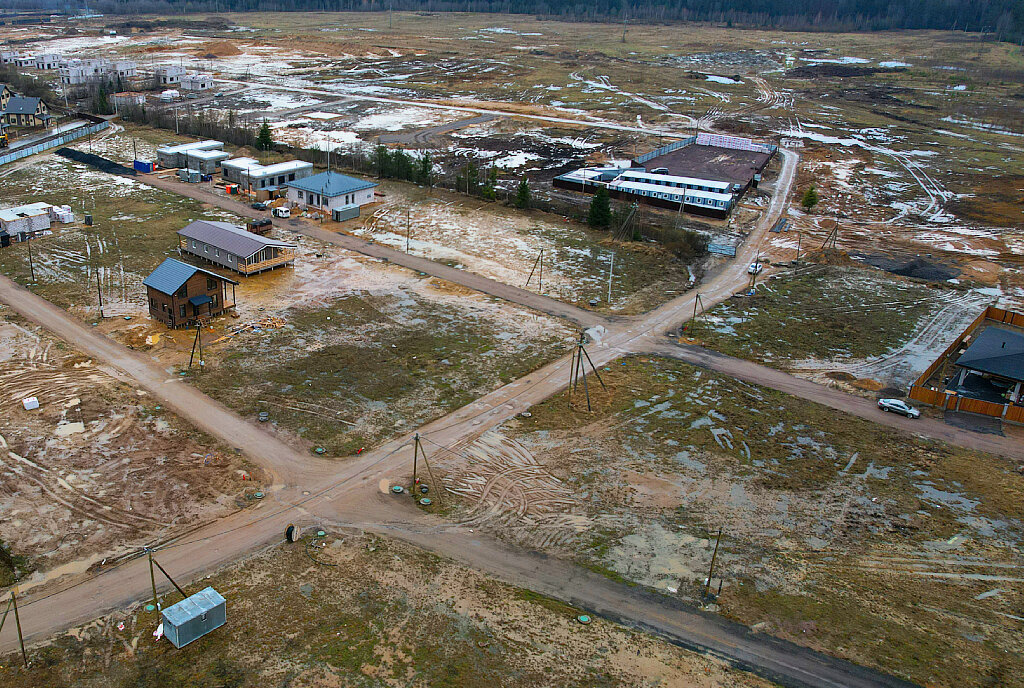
<point x="898" y="406"/>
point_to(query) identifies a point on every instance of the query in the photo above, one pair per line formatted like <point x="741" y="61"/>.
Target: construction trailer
<point x="194" y="617"/>
<point x="194" y="155"/>
<point x="256" y="177"/>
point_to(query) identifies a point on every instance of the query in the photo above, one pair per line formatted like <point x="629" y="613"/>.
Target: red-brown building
<point x="180" y="294"/>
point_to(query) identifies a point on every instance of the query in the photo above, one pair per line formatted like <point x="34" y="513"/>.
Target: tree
<point x="523" y="195"/>
<point x="600" y="214"/>
<point x="490" y="186"/>
<point x="425" y="174"/>
<point x="810" y="198"/>
<point x="264" y="140"/>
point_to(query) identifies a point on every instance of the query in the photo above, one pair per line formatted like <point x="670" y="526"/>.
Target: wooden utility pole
<point x="408" y="230"/>
<point x="579" y="368"/>
<point x="714" y="556"/>
<point x="799" y="239"/>
<point x="152" y="579"/>
<point x="611" y="269"/>
<point x="415" y="456"/>
<point x="537" y="263"/>
<point x="13" y="603"/>
<point x="197" y="342"/>
<point x="31" y="263"/>
<point x="99" y="290"/>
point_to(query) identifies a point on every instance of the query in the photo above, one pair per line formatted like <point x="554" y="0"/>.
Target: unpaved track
<point x="346" y="492"/>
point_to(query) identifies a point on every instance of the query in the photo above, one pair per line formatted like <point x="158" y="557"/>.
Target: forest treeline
<point x="1003" y="19"/>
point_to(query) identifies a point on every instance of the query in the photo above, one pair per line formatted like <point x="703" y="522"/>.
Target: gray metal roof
<point x="171" y="274"/>
<point x="229" y="238"/>
<point x="21" y="105"/>
<point x="192" y="607"/>
<point x="996" y="351"/>
<point x="331" y="184"/>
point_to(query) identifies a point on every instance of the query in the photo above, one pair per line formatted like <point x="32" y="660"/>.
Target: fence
<point x="954" y="402"/>
<point x="735" y="143"/>
<point x="47" y="144"/>
<point x="675" y="145"/>
<point x="722" y="249"/>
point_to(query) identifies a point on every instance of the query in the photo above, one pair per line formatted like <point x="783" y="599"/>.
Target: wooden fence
<point x="954" y="402"/>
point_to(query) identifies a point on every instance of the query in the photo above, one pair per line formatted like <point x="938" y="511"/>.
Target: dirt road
<point x="347" y="492"/>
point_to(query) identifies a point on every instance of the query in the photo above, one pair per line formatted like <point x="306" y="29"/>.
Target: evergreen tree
<point x="264" y="140"/>
<point x="810" y="198"/>
<point x="101" y="103"/>
<point x="425" y="173"/>
<point x="523" y="195"/>
<point x="490" y="191"/>
<point x="600" y="214"/>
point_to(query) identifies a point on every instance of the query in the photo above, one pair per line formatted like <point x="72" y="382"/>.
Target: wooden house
<point x="180" y="294"/>
<point x="21" y="111"/>
<point x="230" y="246"/>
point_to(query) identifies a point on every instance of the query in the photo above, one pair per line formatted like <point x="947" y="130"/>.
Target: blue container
<point x="141" y="166"/>
<point x="194" y="617"/>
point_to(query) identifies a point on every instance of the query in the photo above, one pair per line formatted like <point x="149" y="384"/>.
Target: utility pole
<point x="152" y="579"/>
<point x="415" y="456"/>
<point x="611" y="268"/>
<point x="408" y="233"/>
<point x="799" y="238"/>
<point x="197" y="342"/>
<point x="579" y="367"/>
<point x="31" y="264"/>
<point x="540" y="279"/>
<point x="13" y="603"/>
<point x="714" y="556"/>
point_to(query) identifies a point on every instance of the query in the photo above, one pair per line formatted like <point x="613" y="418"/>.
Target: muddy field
<point x="842" y="324"/>
<point x="98" y="469"/>
<point x="371" y="612"/>
<point x="837" y="534"/>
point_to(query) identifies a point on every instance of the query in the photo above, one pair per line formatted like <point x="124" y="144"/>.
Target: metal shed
<point x="194" y="617"/>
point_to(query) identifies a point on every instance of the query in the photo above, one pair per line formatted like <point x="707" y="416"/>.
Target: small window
<point x="213" y="304"/>
<point x="181" y="310"/>
<point x="211" y="284"/>
<point x="216" y="252"/>
<point x="183" y="292"/>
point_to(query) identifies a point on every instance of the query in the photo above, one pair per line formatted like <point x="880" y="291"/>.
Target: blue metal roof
<point x="192" y="607"/>
<point x="200" y="300"/>
<point x="331" y="184"/>
<point x="171" y="274"/>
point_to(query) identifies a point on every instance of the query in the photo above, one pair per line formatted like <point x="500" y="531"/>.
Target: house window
<point x="206" y="248"/>
<point x="181" y="310"/>
<point x="183" y="292"/>
<point x="291" y="177"/>
<point x="211" y="284"/>
<point x="152" y="303"/>
<point x="216" y="252"/>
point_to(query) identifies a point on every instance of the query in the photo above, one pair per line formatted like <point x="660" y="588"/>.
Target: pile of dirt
<point x="868" y="385"/>
<point x="915" y="268"/>
<point x="839" y="70"/>
<point x="216" y="49"/>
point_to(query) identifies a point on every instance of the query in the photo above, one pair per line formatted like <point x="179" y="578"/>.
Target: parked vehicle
<point x="898" y="406"/>
<point x="281" y="212"/>
<point x="218" y="94"/>
<point x="258" y="205"/>
<point x="259" y="226"/>
<point x="755" y="269"/>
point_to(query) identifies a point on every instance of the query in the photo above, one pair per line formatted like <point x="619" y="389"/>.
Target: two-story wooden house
<point x="21" y="111"/>
<point x="180" y="294"/>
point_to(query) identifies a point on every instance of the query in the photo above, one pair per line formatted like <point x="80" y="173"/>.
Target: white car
<point x="755" y="269"/>
<point x="898" y="406"/>
<point x="281" y="212"/>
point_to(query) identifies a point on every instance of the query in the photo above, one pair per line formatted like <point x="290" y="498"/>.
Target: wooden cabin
<point x="180" y="295"/>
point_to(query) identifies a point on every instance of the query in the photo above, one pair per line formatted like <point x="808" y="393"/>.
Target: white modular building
<point x="253" y="176"/>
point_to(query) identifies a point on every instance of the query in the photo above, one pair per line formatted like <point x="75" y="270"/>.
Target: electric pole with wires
<point x="579" y="372"/>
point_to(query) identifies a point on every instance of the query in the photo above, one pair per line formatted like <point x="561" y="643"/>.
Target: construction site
<point x="383" y="349"/>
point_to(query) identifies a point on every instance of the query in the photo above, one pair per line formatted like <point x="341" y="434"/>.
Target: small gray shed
<point x="194" y="617"/>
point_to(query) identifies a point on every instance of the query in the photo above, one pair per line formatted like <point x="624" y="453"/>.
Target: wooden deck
<point x="284" y="258"/>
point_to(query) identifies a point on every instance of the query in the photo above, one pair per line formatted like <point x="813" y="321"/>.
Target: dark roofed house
<point x="21" y="111"/>
<point x="5" y="95"/>
<point x="992" y="367"/>
<point x="232" y="247"/>
<point x="180" y="294"/>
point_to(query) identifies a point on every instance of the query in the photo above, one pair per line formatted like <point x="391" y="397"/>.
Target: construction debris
<point x="271" y="323"/>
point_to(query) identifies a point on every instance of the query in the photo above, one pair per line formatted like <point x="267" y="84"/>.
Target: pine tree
<point x="810" y="198"/>
<point x="425" y="175"/>
<point x="600" y="214"/>
<point x="264" y="140"/>
<point x="490" y="191"/>
<point x="523" y="195"/>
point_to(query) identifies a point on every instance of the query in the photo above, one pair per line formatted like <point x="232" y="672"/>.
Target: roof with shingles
<point x="21" y="105"/>
<point x="229" y="238"/>
<point x="996" y="351"/>
<point x="331" y="184"/>
<point x="171" y="274"/>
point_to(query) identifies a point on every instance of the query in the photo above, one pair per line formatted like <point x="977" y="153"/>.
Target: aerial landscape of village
<point x="406" y="346"/>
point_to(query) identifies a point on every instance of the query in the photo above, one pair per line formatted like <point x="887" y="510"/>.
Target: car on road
<point x="755" y="268"/>
<point x="898" y="406"/>
<point x="258" y="206"/>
